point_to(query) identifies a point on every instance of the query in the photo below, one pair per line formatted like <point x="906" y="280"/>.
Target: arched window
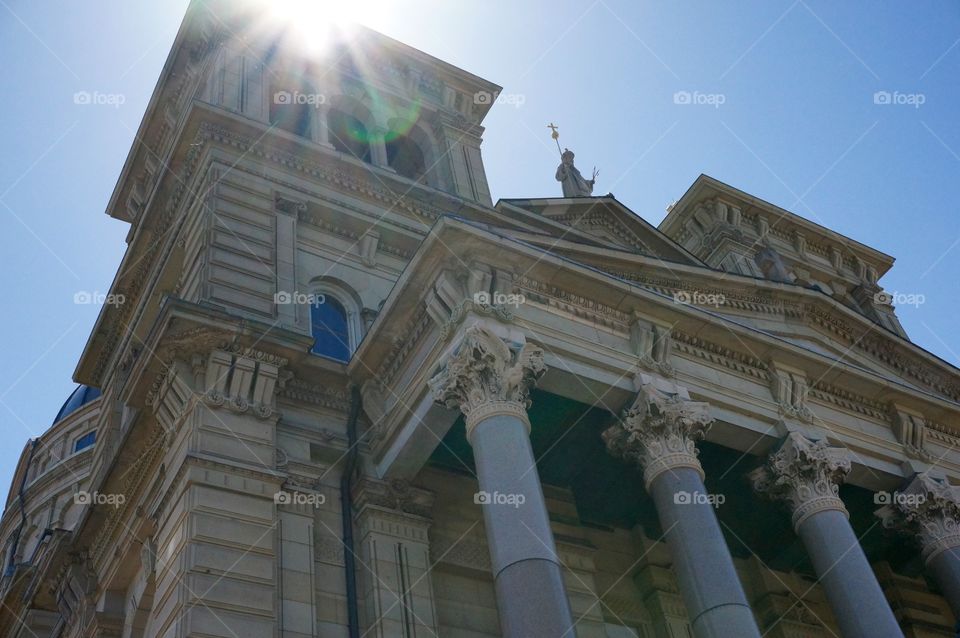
<point x="330" y="326"/>
<point x="348" y="134"/>
<point x="405" y="157"/>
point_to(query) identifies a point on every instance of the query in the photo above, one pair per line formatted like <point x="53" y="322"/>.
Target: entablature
<point x="584" y="321"/>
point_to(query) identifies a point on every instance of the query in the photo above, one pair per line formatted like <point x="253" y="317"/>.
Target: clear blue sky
<point x="798" y="126"/>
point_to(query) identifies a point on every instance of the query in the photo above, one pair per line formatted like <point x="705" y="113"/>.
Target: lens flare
<point x="316" y="22"/>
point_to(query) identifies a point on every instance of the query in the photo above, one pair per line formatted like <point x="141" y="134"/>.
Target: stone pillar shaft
<point x="701" y="560"/>
<point x="659" y="432"/>
<point x="807" y="473"/>
<point x="487" y="377"/>
<point x="928" y="508"/>
<point x="527" y="574"/>
<point x="851" y="587"/>
<point x="945" y="568"/>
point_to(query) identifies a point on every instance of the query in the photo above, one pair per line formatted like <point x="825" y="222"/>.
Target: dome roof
<point x="83" y="395"/>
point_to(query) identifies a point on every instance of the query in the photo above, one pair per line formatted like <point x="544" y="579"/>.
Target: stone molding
<point x="397" y="496"/>
<point x="911" y="431"/>
<point x="806" y="473"/>
<point x="789" y="388"/>
<point x="485" y="376"/>
<point x="928" y="508"/>
<point x="652" y="344"/>
<point x="660" y="430"/>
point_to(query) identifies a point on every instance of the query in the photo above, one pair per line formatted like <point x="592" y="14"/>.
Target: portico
<point x="648" y="406"/>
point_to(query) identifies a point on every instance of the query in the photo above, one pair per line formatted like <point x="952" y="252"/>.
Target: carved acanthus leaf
<point x="660" y="430"/>
<point x="484" y="369"/>
<point x="806" y="473"/>
<point x="929" y="509"/>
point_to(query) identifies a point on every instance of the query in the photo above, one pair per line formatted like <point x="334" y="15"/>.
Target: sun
<point x="316" y="21"/>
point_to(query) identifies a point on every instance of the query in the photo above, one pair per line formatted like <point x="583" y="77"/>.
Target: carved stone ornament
<point x="660" y="430"/>
<point x="806" y="473"/>
<point x="396" y="495"/>
<point x="486" y="376"/>
<point x="929" y="509"/>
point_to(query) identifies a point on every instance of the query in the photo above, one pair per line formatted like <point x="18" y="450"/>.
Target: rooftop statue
<point x="574" y="185"/>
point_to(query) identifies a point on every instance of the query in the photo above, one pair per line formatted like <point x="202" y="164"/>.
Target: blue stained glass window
<point x="85" y="441"/>
<point x="328" y="321"/>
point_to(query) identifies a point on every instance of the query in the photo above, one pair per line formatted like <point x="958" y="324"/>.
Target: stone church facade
<point x="346" y="394"/>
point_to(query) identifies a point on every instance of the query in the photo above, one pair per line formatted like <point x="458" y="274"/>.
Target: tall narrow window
<point x="330" y="327"/>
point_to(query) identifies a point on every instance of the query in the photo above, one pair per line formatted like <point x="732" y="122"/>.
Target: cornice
<point x="574" y="304"/>
<point x="337" y="399"/>
<point x="742" y="363"/>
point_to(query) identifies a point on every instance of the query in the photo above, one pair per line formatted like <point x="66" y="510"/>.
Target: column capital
<point x="806" y="473"/>
<point x="660" y="430"/>
<point x="928" y="508"/>
<point x="485" y="376"/>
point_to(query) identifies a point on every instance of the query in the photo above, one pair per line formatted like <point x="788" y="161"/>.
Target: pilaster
<point x="396" y="588"/>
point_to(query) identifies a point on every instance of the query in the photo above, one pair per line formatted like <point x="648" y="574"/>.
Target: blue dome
<point x="83" y="395"/>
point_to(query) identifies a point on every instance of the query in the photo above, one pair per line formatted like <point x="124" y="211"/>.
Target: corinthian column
<point x="807" y="475"/>
<point x="929" y="509"/>
<point x="659" y="433"/>
<point x="488" y="380"/>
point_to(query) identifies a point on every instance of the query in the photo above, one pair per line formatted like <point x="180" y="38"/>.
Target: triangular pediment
<point x="602" y="221"/>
